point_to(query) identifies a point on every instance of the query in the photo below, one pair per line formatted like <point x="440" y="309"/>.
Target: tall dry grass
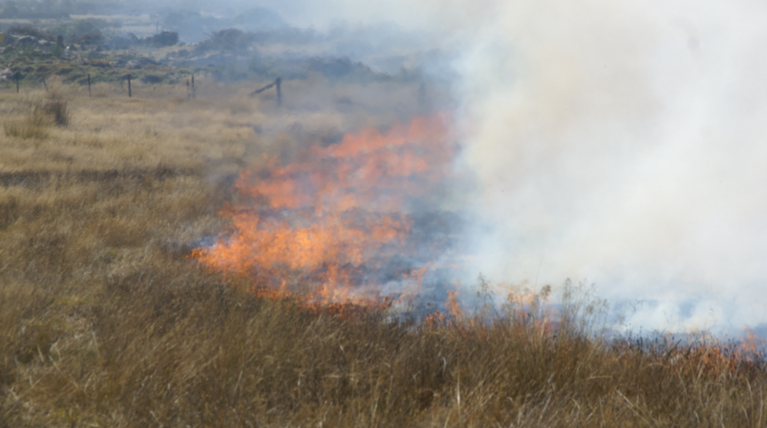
<point x="37" y="116"/>
<point x="34" y="114"/>
<point x="104" y="321"/>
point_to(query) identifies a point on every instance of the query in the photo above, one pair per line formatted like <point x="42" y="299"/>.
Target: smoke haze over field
<point x="616" y="142"/>
<point x="622" y="143"/>
<point x="619" y="142"/>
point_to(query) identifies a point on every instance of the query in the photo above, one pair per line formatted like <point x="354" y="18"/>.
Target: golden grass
<point x="32" y="126"/>
<point x="104" y="322"/>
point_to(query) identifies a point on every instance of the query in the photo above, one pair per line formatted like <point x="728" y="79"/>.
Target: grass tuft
<point x="37" y="116"/>
<point x="33" y="126"/>
<point x="57" y="110"/>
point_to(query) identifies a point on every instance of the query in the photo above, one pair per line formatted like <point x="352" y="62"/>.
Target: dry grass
<point x="33" y="115"/>
<point x="103" y="321"/>
<point x="32" y="126"/>
<point x="36" y="116"/>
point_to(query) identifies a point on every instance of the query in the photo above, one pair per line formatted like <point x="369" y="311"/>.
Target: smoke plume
<point x="613" y="142"/>
<point x="620" y="143"/>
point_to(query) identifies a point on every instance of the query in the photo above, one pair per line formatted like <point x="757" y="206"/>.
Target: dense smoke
<point x="619" y="143"/>
<point x="613" y="142"/>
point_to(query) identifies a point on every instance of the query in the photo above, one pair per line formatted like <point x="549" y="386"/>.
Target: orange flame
<point x="328" y="226"/>
<point x="453" y="305"/>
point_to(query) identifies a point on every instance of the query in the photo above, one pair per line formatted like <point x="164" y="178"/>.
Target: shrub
<point x="57" y="110"/>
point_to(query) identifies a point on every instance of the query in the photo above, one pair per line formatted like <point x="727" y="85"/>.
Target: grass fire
<point x="335" y="226"/>
<point x="236" y="218"/>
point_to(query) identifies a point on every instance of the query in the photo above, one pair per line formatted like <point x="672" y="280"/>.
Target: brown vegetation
<point x="104" y="321"/>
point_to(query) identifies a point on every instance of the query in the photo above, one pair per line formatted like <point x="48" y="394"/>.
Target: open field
<point x="105" y="322"/>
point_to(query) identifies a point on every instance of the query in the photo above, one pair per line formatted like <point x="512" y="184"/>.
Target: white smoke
<point x="623" y="142"/>
<point x="620" y="142"/>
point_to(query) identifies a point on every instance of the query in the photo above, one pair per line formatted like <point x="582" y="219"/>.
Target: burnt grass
<point x="106" y="322"/>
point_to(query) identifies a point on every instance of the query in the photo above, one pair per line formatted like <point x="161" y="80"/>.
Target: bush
<point x="58" y="110"/>
<point x="28" y="30"/>
<point x="166" y="38"/>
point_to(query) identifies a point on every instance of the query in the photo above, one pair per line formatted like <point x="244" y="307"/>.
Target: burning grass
<point x="334" y="225"/>
<point x="103" y="322"/>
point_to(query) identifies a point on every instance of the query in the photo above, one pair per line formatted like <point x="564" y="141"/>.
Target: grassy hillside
<point x="105" y="322"/>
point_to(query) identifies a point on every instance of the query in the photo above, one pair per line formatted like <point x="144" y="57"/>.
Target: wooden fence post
<point x="130" y="93"/>
<point x="276" y="84"/>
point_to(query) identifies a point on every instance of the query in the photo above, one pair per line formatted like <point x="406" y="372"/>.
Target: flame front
<point x="335" y="225"/>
